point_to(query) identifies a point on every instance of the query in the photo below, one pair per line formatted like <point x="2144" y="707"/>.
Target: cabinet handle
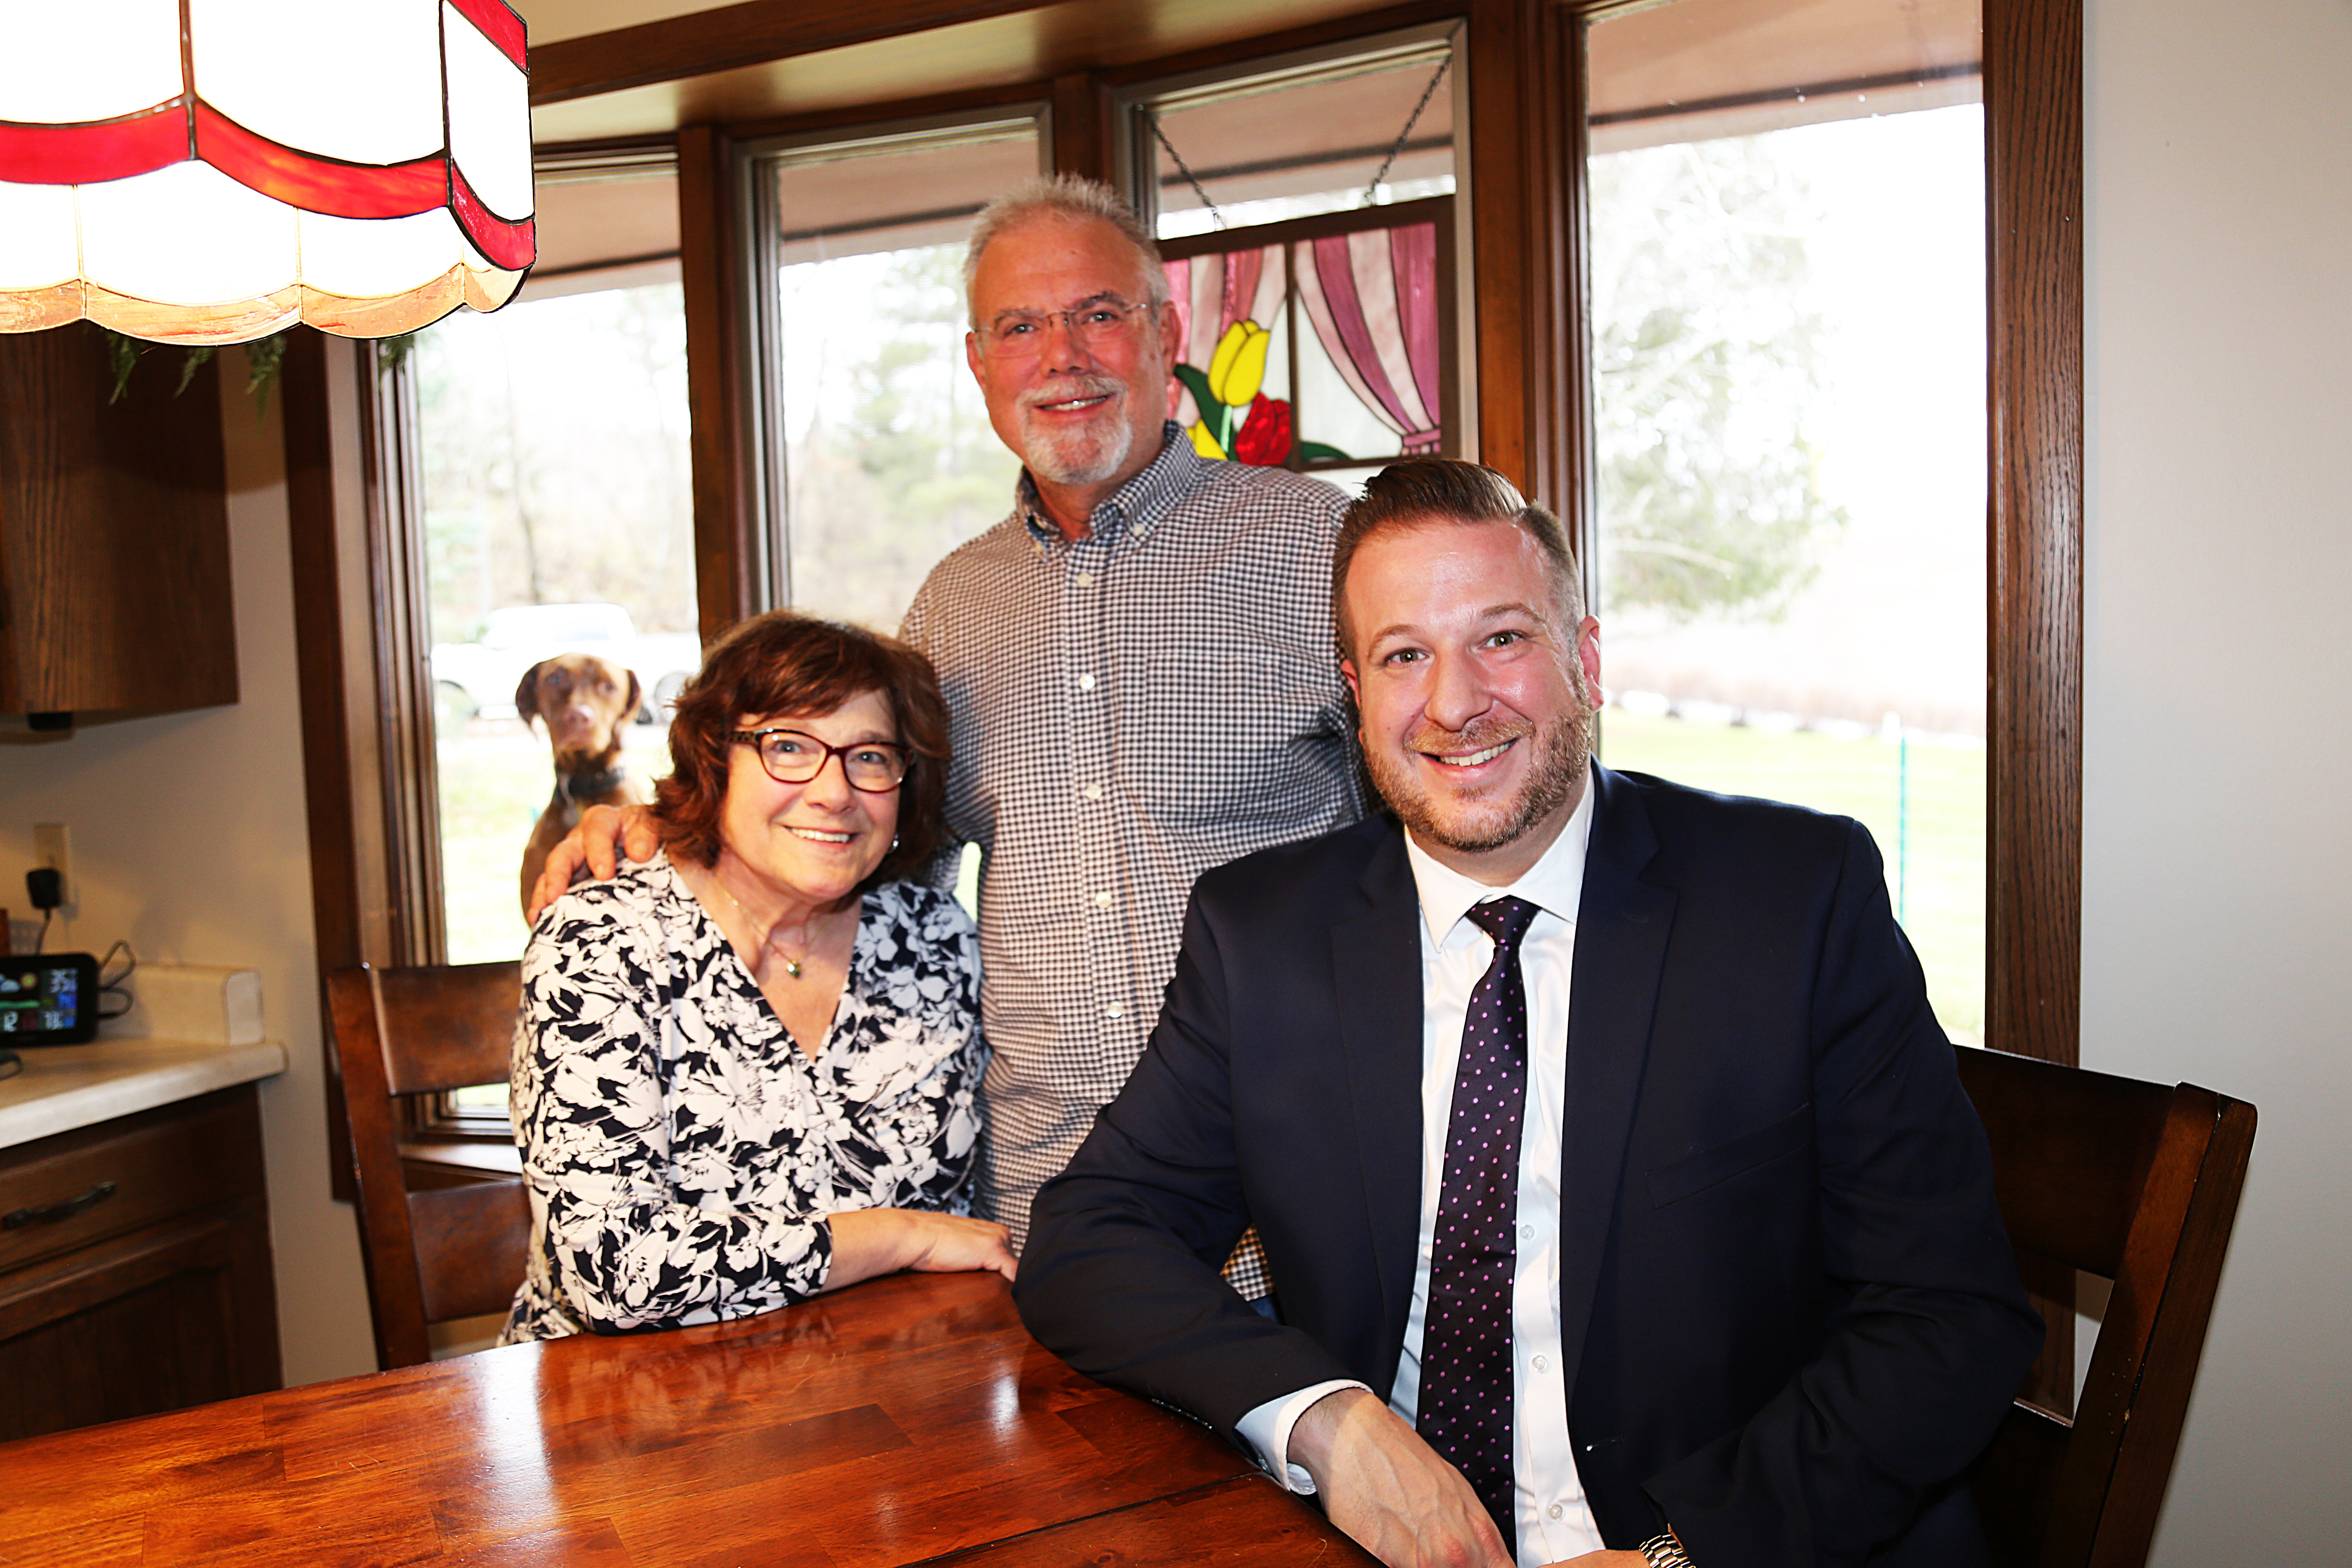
<point x="64" y="1209"/>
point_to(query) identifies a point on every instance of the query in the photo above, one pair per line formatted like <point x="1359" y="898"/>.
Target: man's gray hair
<point x="1068" y="196"/>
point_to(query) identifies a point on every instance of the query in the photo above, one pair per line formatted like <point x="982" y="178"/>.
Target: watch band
<point x="1665" y="1551"/>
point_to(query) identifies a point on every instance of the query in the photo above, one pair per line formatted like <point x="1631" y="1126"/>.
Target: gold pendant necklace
<point x="791" y="964"/>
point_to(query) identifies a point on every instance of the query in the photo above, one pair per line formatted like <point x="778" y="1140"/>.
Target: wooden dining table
<point x="902" y="1421"/>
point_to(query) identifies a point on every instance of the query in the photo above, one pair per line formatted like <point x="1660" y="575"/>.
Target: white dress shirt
<point x="1554" y="1522"/>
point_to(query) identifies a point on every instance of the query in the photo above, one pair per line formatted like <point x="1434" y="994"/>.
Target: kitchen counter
<point x="64" y="1088"/>
<point x="135" y="1269"/>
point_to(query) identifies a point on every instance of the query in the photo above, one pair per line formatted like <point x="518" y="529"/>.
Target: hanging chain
<point x="1371" y="191"/>
<point x="1186" y="170"/>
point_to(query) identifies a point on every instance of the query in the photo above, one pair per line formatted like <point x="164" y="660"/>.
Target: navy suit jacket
<point x="1798" y="1315"/>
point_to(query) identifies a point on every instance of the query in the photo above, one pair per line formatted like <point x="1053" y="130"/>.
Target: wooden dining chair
<point x="440" y="1251"/>
<point x="2137" y="1183"/>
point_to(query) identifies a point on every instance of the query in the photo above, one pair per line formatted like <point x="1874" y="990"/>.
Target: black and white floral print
<point x="680" y="1151"/>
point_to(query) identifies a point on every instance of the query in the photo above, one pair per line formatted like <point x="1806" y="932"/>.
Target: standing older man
<point x="1616" y="1180"/>
<point x="1136" y="662"/>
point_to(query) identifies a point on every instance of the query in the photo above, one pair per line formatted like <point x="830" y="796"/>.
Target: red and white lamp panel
<point x="213" y="171"/>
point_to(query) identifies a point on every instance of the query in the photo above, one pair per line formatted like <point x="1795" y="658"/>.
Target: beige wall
<point x="2217" y="841"/>
<point x="189" y="840"/>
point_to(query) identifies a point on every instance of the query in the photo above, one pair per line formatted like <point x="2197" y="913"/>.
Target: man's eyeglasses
<point x="1021" y="334"/>
<point x="877" y="767"/>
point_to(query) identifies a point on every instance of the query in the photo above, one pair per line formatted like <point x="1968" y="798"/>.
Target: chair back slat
<point x="2139" y="1184"/>
<point x="2017" y="1483"/>
<point x="470" y="1246"/>
<point x="449" y="1027"/>
<point x="2070" y="1151"/>
<point x="448" y="1251"/>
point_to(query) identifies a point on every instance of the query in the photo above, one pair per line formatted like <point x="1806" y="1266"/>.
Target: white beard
<point x="1079" y="457"/>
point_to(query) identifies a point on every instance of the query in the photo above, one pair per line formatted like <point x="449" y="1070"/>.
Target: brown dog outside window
<point x="585" y="702"/>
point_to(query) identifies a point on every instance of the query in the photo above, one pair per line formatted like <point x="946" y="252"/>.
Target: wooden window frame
<point x="1524" y="407"/>
<point x="357" y="573"/>
<point x="1522" y="397"/>
<point x="2033" y="601"/>
<point x="757" y="415"/>
<point x="1529" y="219"/>
<point x="1133" y="154"/>
<point x="2033" y="165"/>
<point x="742" y="556"/>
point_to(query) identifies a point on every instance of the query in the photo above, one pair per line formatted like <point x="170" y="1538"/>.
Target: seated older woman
<point x="744" y="1071"/>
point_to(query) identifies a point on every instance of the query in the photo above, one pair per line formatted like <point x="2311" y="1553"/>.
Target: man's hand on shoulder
<point x="596" y="844"/>
<point x="1390" y="1491"/>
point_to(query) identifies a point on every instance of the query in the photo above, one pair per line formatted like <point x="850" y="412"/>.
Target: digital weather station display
<point x="48" y="1000"/>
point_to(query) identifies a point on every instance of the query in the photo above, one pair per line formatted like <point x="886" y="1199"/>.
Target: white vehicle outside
<point x="480" y="677"/>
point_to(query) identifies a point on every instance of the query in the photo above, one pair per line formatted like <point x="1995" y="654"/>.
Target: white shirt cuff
<point x="1266" y="1430"/>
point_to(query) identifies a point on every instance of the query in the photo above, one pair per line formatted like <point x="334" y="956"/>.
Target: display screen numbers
<point x="44" y="998"/>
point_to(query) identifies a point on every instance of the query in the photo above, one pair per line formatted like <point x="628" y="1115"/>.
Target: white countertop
<point x="66" y="1087"/>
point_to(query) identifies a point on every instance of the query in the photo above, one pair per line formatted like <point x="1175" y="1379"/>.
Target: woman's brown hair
<point x="782" y="664"/>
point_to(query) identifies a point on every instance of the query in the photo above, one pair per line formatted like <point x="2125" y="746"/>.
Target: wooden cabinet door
<point x="135" y="1266"/>
<point x="178" y="1314"/>
<point x="115" y="567"/>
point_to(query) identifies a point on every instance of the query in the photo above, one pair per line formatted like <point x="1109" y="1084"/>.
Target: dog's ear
<point x="527" y="694"/>
<point x="636" y="699"/>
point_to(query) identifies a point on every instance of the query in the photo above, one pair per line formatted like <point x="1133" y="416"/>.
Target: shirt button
<point x="1093" y="792"/>
<point x="1542" y="1365"/>
<point x="1553" y="1511"/>
<point x="1085" y="579"/>
<point x="1114" y="1010"/>
<point x="1102" y="900"/>
<point x="1526" y="1233"/>
<point x="1085" y="683"/>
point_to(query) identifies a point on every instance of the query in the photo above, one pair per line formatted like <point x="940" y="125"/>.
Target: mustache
<point x="1062" y="389"/>
<point x="1480" y="734"/>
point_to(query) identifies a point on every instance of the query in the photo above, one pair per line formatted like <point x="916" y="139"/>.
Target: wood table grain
<point x="899" y="1422"/>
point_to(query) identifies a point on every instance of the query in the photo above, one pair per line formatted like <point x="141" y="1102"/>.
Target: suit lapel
<point x="1621" y="927"/>
<point x="1376" y="967"/>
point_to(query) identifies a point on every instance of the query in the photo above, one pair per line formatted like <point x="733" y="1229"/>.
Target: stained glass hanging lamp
<point x="214" y="171"/>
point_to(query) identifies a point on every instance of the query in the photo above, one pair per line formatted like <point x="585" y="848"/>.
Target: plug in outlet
<point x="53" y="846"/>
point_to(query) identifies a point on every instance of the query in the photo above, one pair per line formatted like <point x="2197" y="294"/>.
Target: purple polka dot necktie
<point x="1464" y="1406"/>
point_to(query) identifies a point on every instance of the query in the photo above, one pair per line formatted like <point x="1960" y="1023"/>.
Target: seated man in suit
<point x="1636" y="1207"/>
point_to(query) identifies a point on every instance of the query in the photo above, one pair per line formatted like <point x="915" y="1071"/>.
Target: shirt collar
<point x="1138" y="505"/>
<point x="1554" y="883"/>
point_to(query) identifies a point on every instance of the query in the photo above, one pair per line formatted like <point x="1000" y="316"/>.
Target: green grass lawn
<point x="1934" y="851"/>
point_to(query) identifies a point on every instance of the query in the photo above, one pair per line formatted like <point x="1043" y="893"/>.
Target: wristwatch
<point x="1665" y="1551"/>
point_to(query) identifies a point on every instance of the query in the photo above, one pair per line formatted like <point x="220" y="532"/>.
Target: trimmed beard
<point x="1079" y="457"/>
<point x="1564" y="755"/>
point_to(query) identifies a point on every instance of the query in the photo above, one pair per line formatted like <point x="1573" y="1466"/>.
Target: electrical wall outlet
<point x="53" y="847"/>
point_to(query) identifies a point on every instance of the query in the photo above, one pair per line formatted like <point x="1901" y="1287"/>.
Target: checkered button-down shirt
<point x="1129" y="709"/>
